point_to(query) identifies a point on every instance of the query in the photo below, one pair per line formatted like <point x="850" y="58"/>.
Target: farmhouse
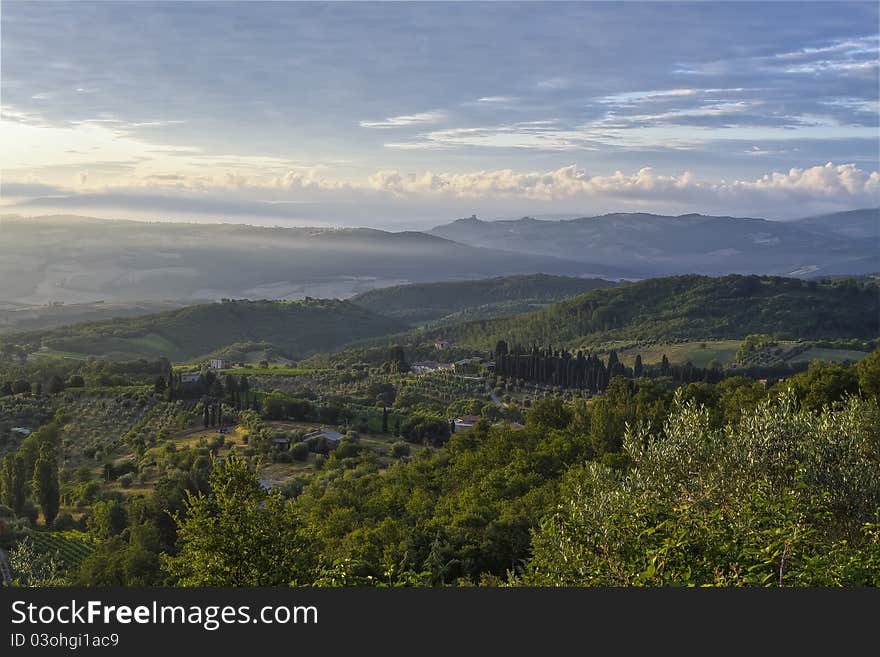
<point x="332" y="437"/>
<point x="283" y="442"/>
<point x="219" y="363"/>
<point x="441" y="345"/>
<point x="425" y="366"/>
<point x="465" y="422"/>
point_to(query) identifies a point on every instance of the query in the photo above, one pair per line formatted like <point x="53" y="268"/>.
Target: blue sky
<point x="405" y="115"/>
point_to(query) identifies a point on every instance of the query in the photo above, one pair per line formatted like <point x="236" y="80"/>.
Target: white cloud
<point x="494" y="100"/>
<point x="844" y="183"/>
<point x="796" y="192"/>
<point x="435" y="116"/>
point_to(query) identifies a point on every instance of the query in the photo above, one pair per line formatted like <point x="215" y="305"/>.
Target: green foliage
<point x="45" y="483"/>
<point x="298" y="328"/>
<point x="785" y="496"/>
<point x="237" y="534"/>
<point x="869" y="374"/>
<point x="751" y="344"/>
<point x="822" y="384"/>
<point x="425" y="429"/>
<point x="458" y="300"/>
<point x="689" y="307"/>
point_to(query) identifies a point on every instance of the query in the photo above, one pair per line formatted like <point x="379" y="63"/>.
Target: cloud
<point x="27" y="189"/>
<point x="420" y="118"/>
<point x="843" y="184"/>
<point x="406" y="196"/>
<point x="495" y="100"/>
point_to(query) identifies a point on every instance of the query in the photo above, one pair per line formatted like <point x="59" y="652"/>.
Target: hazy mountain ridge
<point x="75" y="260"/>
<point x="692" y="243"/>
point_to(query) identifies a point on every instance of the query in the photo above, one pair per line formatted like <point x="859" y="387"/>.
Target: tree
<point x="638" y="368"/>
<point x="869" y="374"/>
<point x="13" y="482"/>
<point x="32" y="567"/>
<point x="238" y="534"/>
<point x="107" y="519"/>
<point x="45" y="483"/>
<point x="56" y="385"/>
<point x="550" y="413"/>
<point x="6" y="389"/>
<point x="159" y="386"/>
<point x="384" y="419"/>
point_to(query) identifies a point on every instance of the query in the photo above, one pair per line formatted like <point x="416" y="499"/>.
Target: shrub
<point x="400" y="449"/>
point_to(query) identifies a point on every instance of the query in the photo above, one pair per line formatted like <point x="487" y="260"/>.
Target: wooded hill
<point x="297" y="328"/>
<point x="690" y="307"/>
<point x="479" y="299"/>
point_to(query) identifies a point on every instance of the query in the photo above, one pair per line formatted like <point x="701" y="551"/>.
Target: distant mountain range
<point x="82" y="260"/>
<point x="656" y="245"/>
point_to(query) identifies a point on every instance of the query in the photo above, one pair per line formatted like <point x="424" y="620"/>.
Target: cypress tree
<point x="45" y="483"/>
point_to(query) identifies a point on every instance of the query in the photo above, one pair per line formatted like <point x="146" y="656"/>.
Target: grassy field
<point x="268" y="371"/>
<point x="724" y="351"/>
<point x="699" y="353"/>
<point x="833" y="355"/>
<point x="53" y="353"/>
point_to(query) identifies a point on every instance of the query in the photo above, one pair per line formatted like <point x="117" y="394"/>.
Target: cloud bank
<point x="427" y="196"/>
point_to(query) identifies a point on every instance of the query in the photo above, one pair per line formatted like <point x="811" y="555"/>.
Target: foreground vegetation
<point x="638" y="452"/>
<point x="652" y="483"/>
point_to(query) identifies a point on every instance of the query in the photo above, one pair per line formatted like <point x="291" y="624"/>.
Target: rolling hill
<point x="657" y="245"/>
<point x="451" y="301"/>
<point x="690" y="308"/>
<point x="856" y="224"/>
<point x="27" y="317"/>
<point x="296" y="328"/>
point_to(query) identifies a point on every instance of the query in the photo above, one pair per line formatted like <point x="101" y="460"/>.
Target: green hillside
<point x="691" y="307"/>
<point x="297" y="328"/>
<point x="479" y="299"/>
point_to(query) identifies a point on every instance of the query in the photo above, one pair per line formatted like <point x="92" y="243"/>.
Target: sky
<point x="406" y="115"/>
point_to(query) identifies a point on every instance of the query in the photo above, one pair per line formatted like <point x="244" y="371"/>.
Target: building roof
<point x="329" y="434"/>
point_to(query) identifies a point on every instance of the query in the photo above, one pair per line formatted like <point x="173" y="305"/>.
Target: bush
<point x="126" y="480"/>
<point x="400" y="449"/>
<point x="300" y="451"/>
